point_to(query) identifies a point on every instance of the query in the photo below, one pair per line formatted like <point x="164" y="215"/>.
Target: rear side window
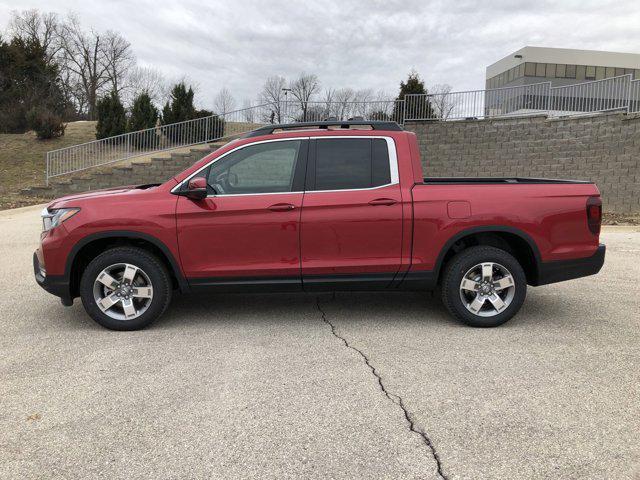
<point x="351" y="163"/>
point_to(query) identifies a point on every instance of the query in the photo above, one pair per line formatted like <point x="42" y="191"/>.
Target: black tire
<point x="460" y="264"/>
<point x="152" y="267"/>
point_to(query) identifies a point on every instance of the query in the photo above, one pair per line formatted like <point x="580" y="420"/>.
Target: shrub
<point x="45" y="123"/>
<point x="112" y="120"/>
<point x="211" y="129"/>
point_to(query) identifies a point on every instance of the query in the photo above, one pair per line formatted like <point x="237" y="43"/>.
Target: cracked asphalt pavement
<point x="330" y="386"/>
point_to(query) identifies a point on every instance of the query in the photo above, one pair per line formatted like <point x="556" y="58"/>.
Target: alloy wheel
<point x="487" y="289"/>
<point x="123" y="291"/>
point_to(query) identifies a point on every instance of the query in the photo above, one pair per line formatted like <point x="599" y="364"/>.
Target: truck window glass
<point x="381" y="174"/>
<point x="260" y="168"/>
<point x="351" y="163"/>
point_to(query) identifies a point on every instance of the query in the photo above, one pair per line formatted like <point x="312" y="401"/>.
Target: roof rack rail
<point x="325" y="124"/>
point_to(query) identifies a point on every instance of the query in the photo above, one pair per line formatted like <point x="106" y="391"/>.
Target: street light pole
<point x="286" y="103"/>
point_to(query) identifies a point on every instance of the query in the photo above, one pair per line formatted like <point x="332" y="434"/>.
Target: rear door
<point x="351" y="224"/>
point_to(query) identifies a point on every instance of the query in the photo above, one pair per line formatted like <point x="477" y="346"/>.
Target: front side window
<point x="351" y="163"/>
<point x="261" y="168"/>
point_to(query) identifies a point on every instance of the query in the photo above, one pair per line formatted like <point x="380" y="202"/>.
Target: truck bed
<point x="492" y="180"/>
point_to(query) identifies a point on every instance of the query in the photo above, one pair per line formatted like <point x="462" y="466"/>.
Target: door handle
<point x="281" y="207"/>
<point x="383" y="201"/>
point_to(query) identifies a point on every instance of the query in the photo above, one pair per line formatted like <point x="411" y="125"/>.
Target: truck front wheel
<point x="483" y="286"/>
<point x="125" y="288"/>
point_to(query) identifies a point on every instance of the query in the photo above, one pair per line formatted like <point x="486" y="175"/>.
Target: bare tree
<point x="442" y="101"/>
<point x="343" y="98"/>
<point x="248" y="112"/>
<point x="32" y="25"/>
<point x="224" y="102"/>
<point x="383" y="106"/>
<point x="328" y="100"/>
<point x="273" y="94"/>
<point x="82" y="54"/>
<point x="303" y="89"/>
<point x="146" y="80"/>
<point x="117" y="59"/>
<point x="362" y="100"/>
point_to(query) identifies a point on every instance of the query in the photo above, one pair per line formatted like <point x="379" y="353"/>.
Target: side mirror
<point x="196" y="189"/>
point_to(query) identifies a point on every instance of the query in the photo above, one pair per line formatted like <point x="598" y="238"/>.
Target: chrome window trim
<point x="393" y="166"/>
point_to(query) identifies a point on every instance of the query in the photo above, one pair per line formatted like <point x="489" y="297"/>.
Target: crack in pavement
<point x="396" y="399"/>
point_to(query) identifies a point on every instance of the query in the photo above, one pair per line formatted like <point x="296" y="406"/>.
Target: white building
<point x="560" y="66"/>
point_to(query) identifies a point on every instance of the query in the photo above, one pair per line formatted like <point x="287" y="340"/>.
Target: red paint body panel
<point x="150" y="212"/>
<point x="343" y="233"/>
<point x="326" y="233"/>
<point x="554" y="216"/>
<point x="239" y="236"/>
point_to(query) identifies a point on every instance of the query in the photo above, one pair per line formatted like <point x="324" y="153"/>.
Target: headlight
<point x="54" y="217"/>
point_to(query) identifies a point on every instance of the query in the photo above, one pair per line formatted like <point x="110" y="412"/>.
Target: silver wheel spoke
<point x="142" y="292"/>
<point x="469" y="285"/>
<point x="487" y="271"/>
<point x="503" y="283"/>
<point x="107" y="280"/>
<point x="123" y="291"/>
<point x="497" y="302"/>
<point x="477" y="303"/>
<point x="129" y="309"/>
<point x="107" y="302"/>
<point x="129" y="274"/>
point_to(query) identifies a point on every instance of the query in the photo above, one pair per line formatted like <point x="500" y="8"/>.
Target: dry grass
<point x="22" y="155"/>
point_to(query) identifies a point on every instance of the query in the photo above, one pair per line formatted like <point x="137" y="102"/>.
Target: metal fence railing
<point x="144" y="142"/>
<point x="634" y="96"/>
<point x="617" y="93"/>
<point x="597" y="96"/>
<point x="141" y="143"/>
<point x="477" y="103"/>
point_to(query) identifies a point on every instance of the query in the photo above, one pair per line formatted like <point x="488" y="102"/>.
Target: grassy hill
<point x="22" y="161"/>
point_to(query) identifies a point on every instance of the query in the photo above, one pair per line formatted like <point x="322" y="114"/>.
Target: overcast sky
<point x="347" y="43"/>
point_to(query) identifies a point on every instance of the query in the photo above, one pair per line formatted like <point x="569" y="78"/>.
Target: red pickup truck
<point x="318" y="206"/>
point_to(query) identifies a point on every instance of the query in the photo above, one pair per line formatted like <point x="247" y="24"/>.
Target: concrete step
<point x="156" y="169"/>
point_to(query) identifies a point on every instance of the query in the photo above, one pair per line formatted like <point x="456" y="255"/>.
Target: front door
<point x="247" y="230"/>
<point x="352" y="213"/>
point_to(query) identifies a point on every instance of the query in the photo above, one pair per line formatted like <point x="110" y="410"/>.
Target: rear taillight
<point x="594" y="214"/>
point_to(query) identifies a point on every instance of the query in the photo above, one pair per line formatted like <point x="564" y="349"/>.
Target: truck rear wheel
<point x="125" y="288"/>
<point x="483" y="286"/>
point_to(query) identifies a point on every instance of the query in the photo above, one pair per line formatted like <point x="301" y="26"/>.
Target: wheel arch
<point x="88" y="247"/>
<point x="513" y="240"/>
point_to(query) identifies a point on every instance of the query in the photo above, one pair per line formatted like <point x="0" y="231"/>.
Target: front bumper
<point x="559" y="271"/>
<point x="57" y="285"/>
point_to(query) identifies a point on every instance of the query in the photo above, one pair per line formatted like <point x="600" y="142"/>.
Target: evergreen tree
<point x="180" y="107"/>
<point x="112" y="120"/>
<point x="413" y="107"/>
<point x="143" y="114"/>
<point x="29" y="86"/>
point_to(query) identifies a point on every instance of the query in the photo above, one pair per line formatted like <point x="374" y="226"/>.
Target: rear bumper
<point x="57" y="285"/>
<point x="559" y="271"/>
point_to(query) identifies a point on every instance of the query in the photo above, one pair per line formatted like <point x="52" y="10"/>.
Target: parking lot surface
<point x="305" y="386"/>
